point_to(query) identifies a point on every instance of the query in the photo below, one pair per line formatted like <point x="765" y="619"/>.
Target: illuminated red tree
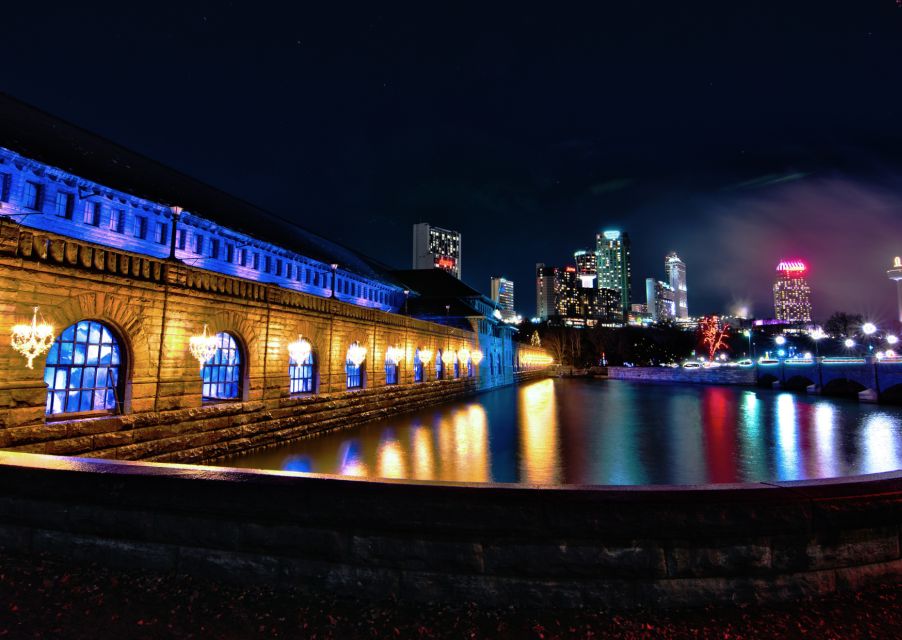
<point x="713" y="335"/>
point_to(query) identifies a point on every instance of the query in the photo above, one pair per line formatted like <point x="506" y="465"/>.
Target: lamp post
<point x="176" y="214"/>
<point x="406" y="298"/>
<point x="748" y="334"/>
<point x="869" y="329"/>
<point x="334" y="273"/>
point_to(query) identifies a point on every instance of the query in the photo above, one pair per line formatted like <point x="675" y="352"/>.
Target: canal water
<point x="609" y="432"/>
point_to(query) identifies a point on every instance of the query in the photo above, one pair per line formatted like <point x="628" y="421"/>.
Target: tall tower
<point x="792" y="295"/>
<point x="436" y="248"/>
<point x="676" y="278"/>
<point x="612" y="249"/>
<point x="896" y="274"/>
<point x="586" y="267"/>
<point x="546" y="280"/>
<point x="503" y="294"/>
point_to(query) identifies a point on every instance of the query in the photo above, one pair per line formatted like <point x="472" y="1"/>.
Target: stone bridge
<point x="870" y="378"/>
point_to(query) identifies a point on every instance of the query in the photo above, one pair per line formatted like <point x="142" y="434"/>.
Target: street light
<point x="817" y="335"/>
<point x="780" y="340"/>
<point x="891" y="339"/>
<point x="868" y="328"/>
<point x="748" y="334"/>
<point x="849" y="343"/>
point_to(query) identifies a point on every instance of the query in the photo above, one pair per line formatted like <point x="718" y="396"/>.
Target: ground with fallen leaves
<point x="43" y="599"/>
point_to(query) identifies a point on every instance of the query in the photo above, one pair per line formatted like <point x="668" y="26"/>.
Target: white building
<point x="675" y="270"/>
<point x="659" y="300"/>
<point x="503" y="294"/>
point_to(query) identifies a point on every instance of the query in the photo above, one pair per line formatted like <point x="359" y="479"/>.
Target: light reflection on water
<point x="555" y="432"/>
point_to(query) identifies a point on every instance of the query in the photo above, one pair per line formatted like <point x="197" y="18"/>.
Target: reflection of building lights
<point x="423" y="456"/>
<point x="539" y="433"/>
<point x="202" y="347"/>
<point x="878" y="444"/>
<point x="31" y="340"/>
<point x="390" y="459"/>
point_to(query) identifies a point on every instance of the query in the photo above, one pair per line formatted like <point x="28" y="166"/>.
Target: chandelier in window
<point x="394" y="355"/>
<point x="448" y="356"/>
<point x="464" y="354"/>
<point x="203" y="347"/>
<point x="300" y="349"/>
<point x="425" y="356"/>
<point x="476" y="357"/>
<point x="356" y="354"/>
<point x="31" y="340"/>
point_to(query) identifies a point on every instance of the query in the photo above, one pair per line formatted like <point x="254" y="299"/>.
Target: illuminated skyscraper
<point x="792" y="295"/>
<point x="586" y="267"/>
<point x="660" y="300"/>
<point x="676" y="277"/>
<point x="612" y="249"/>
<point x="896" y="274"/>
<point x="545" y="290"/>
<point x="503" y="294"/>
<point x="436" y="248"/>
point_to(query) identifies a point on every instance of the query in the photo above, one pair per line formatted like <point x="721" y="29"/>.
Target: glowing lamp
<point x="394" y="355"/>
<point x="781" y="340"/>
<point x="31" y="340"/>
<point x="356" y="354"/>
<point x="464" y="354"/>
<point x="868" y="328"/>
<point x="425" y="356"/>
<point x="202" y="347"/>
<point x="448" y="356"/>
<point x="891" y="339"/>
<point x="476" y="357"/>
<point x="890" y="353"/>
<point x="299" y="350"/>
<point x="849" y="343"/>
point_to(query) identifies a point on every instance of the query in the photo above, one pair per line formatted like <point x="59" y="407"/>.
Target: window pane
<point x="76" y="384"/>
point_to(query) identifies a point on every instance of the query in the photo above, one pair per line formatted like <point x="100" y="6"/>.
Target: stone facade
<point x="154" y="306"/>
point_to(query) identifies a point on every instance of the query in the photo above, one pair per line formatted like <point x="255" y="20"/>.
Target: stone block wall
<point x="722" y="375"/>
<point x="154" y="307"/>
<point x="494" y="544"/>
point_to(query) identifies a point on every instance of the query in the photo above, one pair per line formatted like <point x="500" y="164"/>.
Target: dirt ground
<point x="43" y="599"/>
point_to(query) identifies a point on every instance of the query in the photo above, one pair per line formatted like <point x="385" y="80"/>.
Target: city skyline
<point x="373" y="142"/>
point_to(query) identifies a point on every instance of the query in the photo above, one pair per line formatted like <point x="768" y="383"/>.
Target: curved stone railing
<point x="493" y="544"/>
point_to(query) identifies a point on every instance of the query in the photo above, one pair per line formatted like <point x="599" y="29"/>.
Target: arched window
<point x="391" y="372"/>
<point x="300" y="375"/>
<point x="354" y="371"/>
<point x="417" y="367"/>
<point x="491" y="364"/>
<point x="470" y="367"/>
<point x="221" y="374"/>
<point x="456" y="366"/>
<point x="83" y="370"/>
<point x="439" y="365"/>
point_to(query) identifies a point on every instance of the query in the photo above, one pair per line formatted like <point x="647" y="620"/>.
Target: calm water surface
<point x="610" y="432"/>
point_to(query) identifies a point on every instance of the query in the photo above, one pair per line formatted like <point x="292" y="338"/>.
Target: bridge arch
<point x="843" y="387"/>
<point x="798" y="383"/>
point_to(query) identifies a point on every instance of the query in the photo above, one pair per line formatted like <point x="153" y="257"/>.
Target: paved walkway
<point x="50" y="600"/>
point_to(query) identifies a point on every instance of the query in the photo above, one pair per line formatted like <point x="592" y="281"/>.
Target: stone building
<point x="129" y="261"/>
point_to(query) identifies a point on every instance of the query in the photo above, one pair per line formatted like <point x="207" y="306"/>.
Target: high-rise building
<point x="792" y="295"/>
<point x="503" y="294"/>
<point x="659" y="300"/>
<point x="612" y="250"/>
<point x="675" y="270"/>
<point x="896" y="274"/>
<point x="586" y="267"/>
<point x="436" y="248"/>
<point x="546" y="278"/>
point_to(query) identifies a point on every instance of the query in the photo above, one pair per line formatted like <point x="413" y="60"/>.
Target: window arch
<point x="83" y="370"/>
<point x="355" y="377"/>
<point x="417" y="367"/>
<point x="301" y="374"/>
<point x="439" y="365"/>
<point x="222" y="373"/>
<point x="456" y="365"/>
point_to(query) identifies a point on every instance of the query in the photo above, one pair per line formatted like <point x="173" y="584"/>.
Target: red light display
<point x="570" y="269"/>
<point x="445" y="262"/>
<point x="792" y="267"/>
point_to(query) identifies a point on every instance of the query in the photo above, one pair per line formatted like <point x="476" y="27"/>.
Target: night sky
<point x="736" y="133"/>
